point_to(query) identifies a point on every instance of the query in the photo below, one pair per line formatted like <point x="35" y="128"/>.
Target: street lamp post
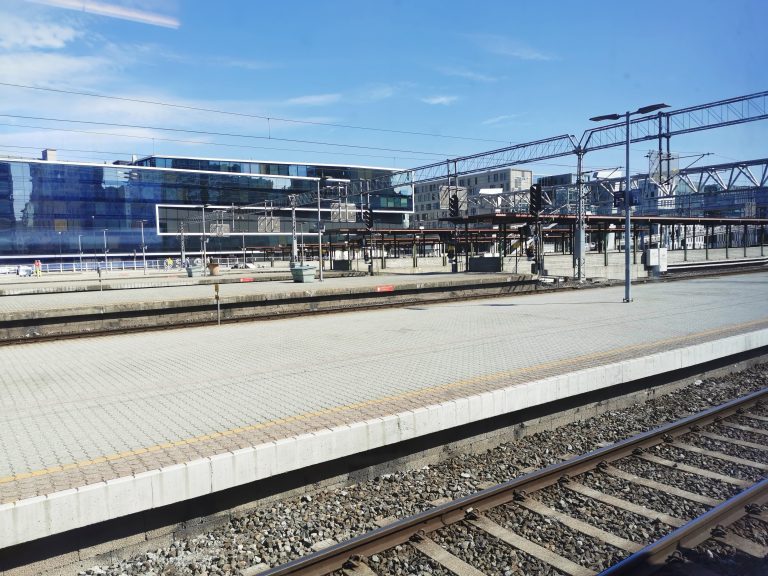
<point x="319" y="235"/>
<point x="143" y="248"/>
<point x="627" y="221"/>
<point x="202" y="248"/>
<point x="105" y="249"/>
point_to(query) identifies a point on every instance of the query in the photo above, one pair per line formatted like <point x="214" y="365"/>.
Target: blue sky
<point x="489" y="72"/>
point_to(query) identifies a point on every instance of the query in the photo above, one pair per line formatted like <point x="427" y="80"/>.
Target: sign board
<point x="219" y="230"/>
<point x="343" y="212"/>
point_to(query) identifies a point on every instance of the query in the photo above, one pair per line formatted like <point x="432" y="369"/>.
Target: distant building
<point x="48" y="206"/>
<point x="429" y="206"/>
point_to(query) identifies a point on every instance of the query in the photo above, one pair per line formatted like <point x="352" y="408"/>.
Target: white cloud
<point x="377" y="92"/>
<point x="508" y="47"/>
<point x="314" y="100"/>
<point x="114" y="10"/>
<point x="440" y="100"/>
<point x="498" y="119"/>
<point x="24" y="34"/>
<point x="41" y="68"/>
<point x="468" y="74"/>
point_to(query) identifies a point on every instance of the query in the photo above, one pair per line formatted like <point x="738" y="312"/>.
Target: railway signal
<point x="453" y="206"/>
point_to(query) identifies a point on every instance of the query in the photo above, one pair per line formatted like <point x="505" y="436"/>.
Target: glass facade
<point x="48" y="208"/>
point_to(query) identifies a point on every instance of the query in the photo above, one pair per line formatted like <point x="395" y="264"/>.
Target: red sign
<point x="385" y="288"/>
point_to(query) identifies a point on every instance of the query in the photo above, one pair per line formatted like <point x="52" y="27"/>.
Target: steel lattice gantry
<point x="736" y="186"/>
<point x="660" y="127"/>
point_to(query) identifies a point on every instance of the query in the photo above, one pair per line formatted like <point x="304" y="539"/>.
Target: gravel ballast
<point x="284" y="530"/>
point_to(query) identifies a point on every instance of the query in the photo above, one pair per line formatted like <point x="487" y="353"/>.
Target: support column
<point x="706" y="242"/>
<point x="685" y="242"/>
<point x="746" y="240"/>
<point x="762" y="239"/>
<point x="634" y="246"/>
<point x="579" y="248"/>
<point x="466" y="246"/>
<point x="727" y="239"/>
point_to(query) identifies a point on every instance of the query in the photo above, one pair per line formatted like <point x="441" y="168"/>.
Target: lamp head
<point x="606" y="117"/>
<point x="651" y="108"/>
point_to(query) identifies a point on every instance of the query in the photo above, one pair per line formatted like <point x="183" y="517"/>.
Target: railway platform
<point x="123" y="427"/>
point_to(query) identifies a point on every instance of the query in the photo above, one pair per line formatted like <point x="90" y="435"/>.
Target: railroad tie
<point x="720" y="455"/>
<point x="757" y="431"/>
<point x="360" y="569"/>
<point x="744" y="544"/>
<point x="553" y="559"/>
<point x="580" y="526"/>
<point x="755" y="417"/>
<point x="743" y="443"/>
<point x="695" y="470"/>
<point x="666" y="488"/>
<point x="624" y="504"/>
<point x="432" y="549"/>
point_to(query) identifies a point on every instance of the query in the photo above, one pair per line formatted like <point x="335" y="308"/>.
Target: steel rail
<point x="653" y="556"/>
<point x="334" y="557"/>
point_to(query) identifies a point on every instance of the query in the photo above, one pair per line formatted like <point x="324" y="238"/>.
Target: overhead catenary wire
<point x="194" y="142"/>
<point x="269" y="119"/>
<point x="225" y="134"/>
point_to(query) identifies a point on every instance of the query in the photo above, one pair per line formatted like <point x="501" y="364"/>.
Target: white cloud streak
<point x="23" y="34"/>
<point x="113" y="10"/>
<point x="508" y="47"/>
<point x="498" y="119"/>
<point x="52" y="69"/>
<point x="440" y="100"/>
<point x="467" y="74"/>
<point x="314" y="100"/>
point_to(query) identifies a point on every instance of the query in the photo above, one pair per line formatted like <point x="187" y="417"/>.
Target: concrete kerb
<point x="35" y="518"/>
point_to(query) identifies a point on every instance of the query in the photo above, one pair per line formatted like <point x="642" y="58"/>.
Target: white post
<point x="627" y="224"/>
<point x="143" y="248"/>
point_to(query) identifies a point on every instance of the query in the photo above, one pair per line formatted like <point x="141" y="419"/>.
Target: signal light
<point x="453" y="206"/>
<point x="534" y="204"/>
<point x="368" y="218"/>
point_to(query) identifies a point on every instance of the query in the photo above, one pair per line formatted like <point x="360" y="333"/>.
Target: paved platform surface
<point x="85" y="412"/>
<point x="192" y="292"/>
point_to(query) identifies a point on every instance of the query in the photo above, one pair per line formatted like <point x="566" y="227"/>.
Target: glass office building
<point x="51" y="209"/>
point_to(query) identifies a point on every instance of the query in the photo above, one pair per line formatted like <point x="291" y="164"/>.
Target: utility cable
<point x="245" y="115"/>
<point x="226" y="134"/>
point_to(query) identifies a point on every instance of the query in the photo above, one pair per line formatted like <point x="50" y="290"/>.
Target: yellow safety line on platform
<point x="372" y="402"/>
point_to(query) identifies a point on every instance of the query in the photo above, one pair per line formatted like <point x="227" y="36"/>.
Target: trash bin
<point x="189" y="271"/>
<point x="303" y="273"/>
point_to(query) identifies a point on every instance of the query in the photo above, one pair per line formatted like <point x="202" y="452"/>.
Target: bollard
<point x="218" y="303"/>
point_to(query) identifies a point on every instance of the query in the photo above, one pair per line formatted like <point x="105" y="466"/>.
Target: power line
<point x="202" y="142"/>
<point x="244" y="115"/>
<point x="226" y="134"/>
<point x="9" y="147"/>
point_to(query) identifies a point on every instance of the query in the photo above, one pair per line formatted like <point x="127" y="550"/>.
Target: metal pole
<point x="579" y="249"/>
<point x="293" y="228"/>
<point x="627" y="227"/>
<point x="203" y="250"/>
<point x="319" y="235"/>
<point x="106" y="263"/>
<point x="80" y="249"/>
<point x="143" y="248"/>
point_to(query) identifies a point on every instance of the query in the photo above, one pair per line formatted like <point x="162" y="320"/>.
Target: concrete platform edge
<point x="42" y="516"/>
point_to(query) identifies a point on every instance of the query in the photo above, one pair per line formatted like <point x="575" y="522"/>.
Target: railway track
<point x="716" y="268"/>
<point x="724" y="448"/>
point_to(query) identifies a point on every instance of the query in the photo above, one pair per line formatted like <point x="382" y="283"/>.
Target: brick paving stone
<point x="73" y="400"/>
